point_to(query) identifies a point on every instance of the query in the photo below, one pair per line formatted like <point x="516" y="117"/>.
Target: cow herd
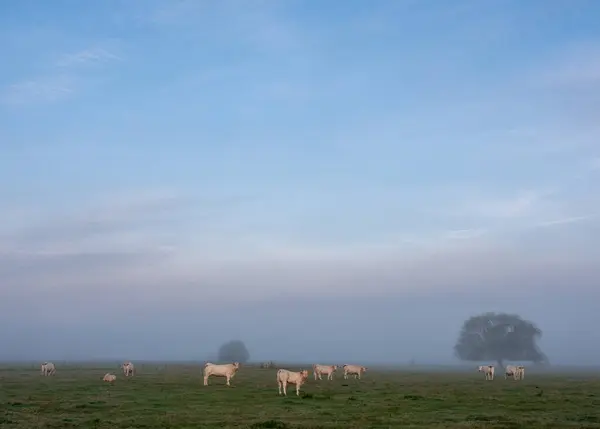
<point x="48" y="368"/>
<point x="228" y="371"/>
<point x="516" y="372"/>
<point x="284" y="376"/>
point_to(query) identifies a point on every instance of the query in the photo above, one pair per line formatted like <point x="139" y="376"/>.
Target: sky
<point x="325" y="181"/>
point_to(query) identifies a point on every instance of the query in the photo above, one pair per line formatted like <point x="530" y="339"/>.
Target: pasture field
<point x="172" y="396"/>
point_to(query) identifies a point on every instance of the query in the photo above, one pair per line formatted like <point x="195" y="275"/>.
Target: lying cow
<point x="284" y="377"/>
<point x="228" y="371"/>
<point x="328" y="370"/>
<point x="355" y="370"/>
<point x="488" y="370"/>
<point x="110" y="378"/>
<point x="48" y="368"/>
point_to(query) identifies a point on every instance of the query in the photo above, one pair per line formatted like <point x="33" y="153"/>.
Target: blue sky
<point x="195" y="158"/>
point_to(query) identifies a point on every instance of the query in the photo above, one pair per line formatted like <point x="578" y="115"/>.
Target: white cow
<point x="517" y="372"/>
<point x="284" y="377"/>
<point x="511" y="371"/>
<point x="357" y="370"/>
<point x="328" y="370"/>
<point x="488" y="370"/>
<point x="109" y="377"/>
<point x="228" y="371"/>
<point x="128" y="369"/>
<point x="48" y="368"/>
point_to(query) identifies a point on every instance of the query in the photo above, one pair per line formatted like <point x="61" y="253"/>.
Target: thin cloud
<point x="62" y="81"/>
<point x="86" y="57"/>
<point x="522" y="204"/>
<point x="42" y="90"/>
<point x="567" y="220"/>
<point x="114" y="217"/>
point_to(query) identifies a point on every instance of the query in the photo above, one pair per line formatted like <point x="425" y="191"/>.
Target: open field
<point x="172" y="396"/>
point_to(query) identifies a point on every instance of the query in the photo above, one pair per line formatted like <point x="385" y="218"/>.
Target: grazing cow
<point x="357" y="370"/>
<point x="488" y="370"/>
<point x="128" y="369"/>
<point x="228" y="371"/>
<point x="284" y="377"/>
<point x="267" y="365"/>
<point x="109" y="377"/>
<point x="511" y="371"/>
<point x="328" y="370"/>
<point x="48" y="368"/>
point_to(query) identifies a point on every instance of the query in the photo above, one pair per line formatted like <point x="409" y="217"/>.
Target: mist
<point x="375" y="330"/>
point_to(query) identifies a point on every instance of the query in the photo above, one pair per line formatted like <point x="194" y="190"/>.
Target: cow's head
<point x="236" y="365"/>
<point x="304" y="373"/>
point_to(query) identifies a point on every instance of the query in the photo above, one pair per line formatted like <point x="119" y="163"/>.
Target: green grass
<point x="172" y="396"/>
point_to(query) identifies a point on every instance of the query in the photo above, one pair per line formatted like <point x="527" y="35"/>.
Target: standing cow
<point x="285" y="377"/>
<point x="517" y="372"/>
<point x="355" y="370"/>
<point x="488" y="370"/>
<point x="228" y="371"/>
<point x="48" y="368"/>
<point x="128" y="369"/>
<point x="320" y="370"/>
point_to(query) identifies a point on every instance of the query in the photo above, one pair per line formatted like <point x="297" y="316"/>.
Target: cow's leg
<point x="297" y="389"/>
<point x="206" y="380"/>
<point x="284" y="388"/>
<point x="279" y="386"/>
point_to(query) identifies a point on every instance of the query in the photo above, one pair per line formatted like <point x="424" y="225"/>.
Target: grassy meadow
<point x="172" y="396"/>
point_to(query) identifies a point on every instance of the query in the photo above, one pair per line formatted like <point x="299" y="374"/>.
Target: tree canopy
<point x="234" y="351"/>
<point x="499" y="337"/>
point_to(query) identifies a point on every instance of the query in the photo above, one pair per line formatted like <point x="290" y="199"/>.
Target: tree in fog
<point x="499" y="337"/>
<point x="234" y="351"/>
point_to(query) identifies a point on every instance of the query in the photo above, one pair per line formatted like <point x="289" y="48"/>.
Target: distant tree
<point x="234" y="351"/>
<point x="499" y="337"/>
